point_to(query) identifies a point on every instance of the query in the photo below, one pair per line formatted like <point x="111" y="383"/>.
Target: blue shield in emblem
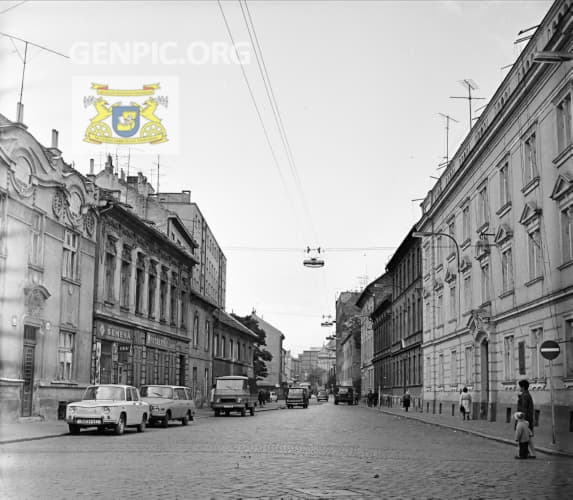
<point x="125" y="120"/>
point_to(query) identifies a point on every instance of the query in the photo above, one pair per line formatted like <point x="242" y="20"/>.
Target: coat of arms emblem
<point x="131" y="123"/>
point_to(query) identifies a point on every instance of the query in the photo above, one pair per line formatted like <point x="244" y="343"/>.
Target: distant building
<point x="348" y="340"/>
<point x="327" y="364"/>
<point x="274" y="339"/>
<point x="367" y="302"/>
<point x="48" y="228"/>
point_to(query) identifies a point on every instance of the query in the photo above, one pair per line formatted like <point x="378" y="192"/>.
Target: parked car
<point x="322" y="396"/>
<point x="344" y="394"/>
<point x="297" y="396"/>
<point x="168" y="402"/>
<point x="108" y="406"/>
<point x="234" y="393"/>
<point x="273" y="396"/>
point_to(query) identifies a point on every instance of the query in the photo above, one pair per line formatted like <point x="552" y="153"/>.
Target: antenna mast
<point x="20" y="106"/>
<point x="470" y="85"/>
<point x="448" y="118"/>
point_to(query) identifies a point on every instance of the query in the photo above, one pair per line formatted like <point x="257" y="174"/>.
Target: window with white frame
<point x="467" y="291"/>
<point x="441" y="370"/>
<point x="36" y="239"/>
<point x="65" y="355"/>
<point x="529" y="159"/>
<point x="196" y="330"/>
<point x="439" y="249"/>
<point x="440" y="308"/>
<point x="454" y="368"/>
<point x="537" y="361"/>
<point x="109" y="268"/>
<point x="125" y="276"/>
<point x="504" y="185"/>
<point x="563" y="109"/>
<point x="452" y="233"/>
<point x="485" y="281"/>
<point x="70" y="255"/>
<point x="207" y="334"/>
<point x="469" y="365"/>
<point x="453" y="301"/>
<point x="567" y="234"/>
<point x="535" y="254"/>
<point x="568" y="346"/>
<point x="428" y="372"/>
<point x="483" y="209"/>
<point x="466" y="226"/>
<point x="508" y="368"/>
<point x="506" y="269"/>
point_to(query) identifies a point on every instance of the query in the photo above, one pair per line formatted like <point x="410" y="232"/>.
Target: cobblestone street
<point x="325" y="451"/>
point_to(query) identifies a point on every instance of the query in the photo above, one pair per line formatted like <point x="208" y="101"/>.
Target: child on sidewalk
<point x="522" y="435"/>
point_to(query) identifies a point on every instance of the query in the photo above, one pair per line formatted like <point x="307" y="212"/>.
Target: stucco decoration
<point x="21" y="176"/>
<point x="58" y="204"/>
<point x="478" y="323"/>
<point x="89" y="223"/>
<point x="35" y="298"/>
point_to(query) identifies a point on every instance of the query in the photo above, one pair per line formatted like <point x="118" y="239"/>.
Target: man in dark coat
<point x="525" y="405"/>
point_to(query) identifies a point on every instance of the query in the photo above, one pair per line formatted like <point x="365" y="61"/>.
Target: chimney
<point x="91" y="166"/>
<point x="54" y="138"/>
<point x="20" y="113"/>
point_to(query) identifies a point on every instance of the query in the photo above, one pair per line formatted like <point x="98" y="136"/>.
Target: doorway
<point x="484" y="352"/>
<point x="28" y="361"/>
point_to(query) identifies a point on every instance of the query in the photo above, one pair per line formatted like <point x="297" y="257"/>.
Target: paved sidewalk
<point x="29" y="429"/>
<point x="497" y="431"/>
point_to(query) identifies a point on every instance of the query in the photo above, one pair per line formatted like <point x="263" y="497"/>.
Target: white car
<point x="273" y="397"/>
<point x="108" y="407"/>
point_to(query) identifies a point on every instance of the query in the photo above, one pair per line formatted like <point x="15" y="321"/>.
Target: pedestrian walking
<point x="212" y="395"/>
<point x="262" y="398"/>
<point x="522" y="434"/>
<point x="370" y="398"/>
<point x="525" y="405"/>
<point x="406" y="399"/>
<point x="465" y="403"/>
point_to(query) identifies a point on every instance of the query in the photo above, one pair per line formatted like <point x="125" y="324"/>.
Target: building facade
<point x="348" y="340"/>
<point x="405" y="267"/>
<point x="497" y="263"/>
<point x="48" y="227"/>
<point x="382" y="338"/>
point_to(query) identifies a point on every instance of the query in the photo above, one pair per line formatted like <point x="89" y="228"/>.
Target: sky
<point x="359" y="87"/>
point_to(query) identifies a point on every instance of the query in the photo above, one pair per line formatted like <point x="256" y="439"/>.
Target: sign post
<point x="550" y="350"/>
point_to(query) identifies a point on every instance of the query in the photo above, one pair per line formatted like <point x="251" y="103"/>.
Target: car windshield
<point x="105" y="392"/>
<point x="230" y="384"/>
<point x="155" y="391"/>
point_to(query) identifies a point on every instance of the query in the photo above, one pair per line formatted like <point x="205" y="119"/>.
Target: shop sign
<point x="114" y="333"/>
<point x="160" y="341"/>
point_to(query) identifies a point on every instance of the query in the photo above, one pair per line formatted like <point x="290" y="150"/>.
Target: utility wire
<point x="274" y="107"/>
<point x="293" y="249"/>
<point x="255" y="103"/>
<point x="13" y="7"/>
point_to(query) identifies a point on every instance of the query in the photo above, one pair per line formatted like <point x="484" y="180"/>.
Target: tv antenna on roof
<point x="470" y="85"/>
<point x="448" y="118"/>
<point x="20" y="110"/>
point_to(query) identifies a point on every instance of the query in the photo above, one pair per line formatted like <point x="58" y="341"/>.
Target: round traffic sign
<point x="550" y="349"/>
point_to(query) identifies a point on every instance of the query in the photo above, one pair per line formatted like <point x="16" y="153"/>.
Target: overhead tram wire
<point x="275" y="108"/>
<point x="294" y="249"/>
<point x="254" y="102"/>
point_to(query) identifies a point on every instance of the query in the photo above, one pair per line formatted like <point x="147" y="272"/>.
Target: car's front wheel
<point x="74" y="429"/>
<point x="165" y="420"/>
<point x="141" y="426"/>
<point x="185" y="419"/>
<point x="119" y="428"/>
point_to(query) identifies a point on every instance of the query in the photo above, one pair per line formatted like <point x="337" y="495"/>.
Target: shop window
<point x="65" y="355"/>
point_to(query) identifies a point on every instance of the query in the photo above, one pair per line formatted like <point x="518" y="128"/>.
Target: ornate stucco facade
<point x="506" y="198"/>
<point x="47" y="256"/>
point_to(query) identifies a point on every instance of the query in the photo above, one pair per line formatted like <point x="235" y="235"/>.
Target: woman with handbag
<point x="465" y="403"/>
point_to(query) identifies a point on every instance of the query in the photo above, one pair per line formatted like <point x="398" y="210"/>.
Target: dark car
<point x="297" y="396"/>
<point x="322" y="396"/>
<point x="344" y="394"/>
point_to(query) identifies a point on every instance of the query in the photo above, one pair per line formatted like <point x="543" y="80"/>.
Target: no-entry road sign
<point x="550" y="349"/>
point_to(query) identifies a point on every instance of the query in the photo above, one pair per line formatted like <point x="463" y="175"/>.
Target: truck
<point x="234" y="393"/>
